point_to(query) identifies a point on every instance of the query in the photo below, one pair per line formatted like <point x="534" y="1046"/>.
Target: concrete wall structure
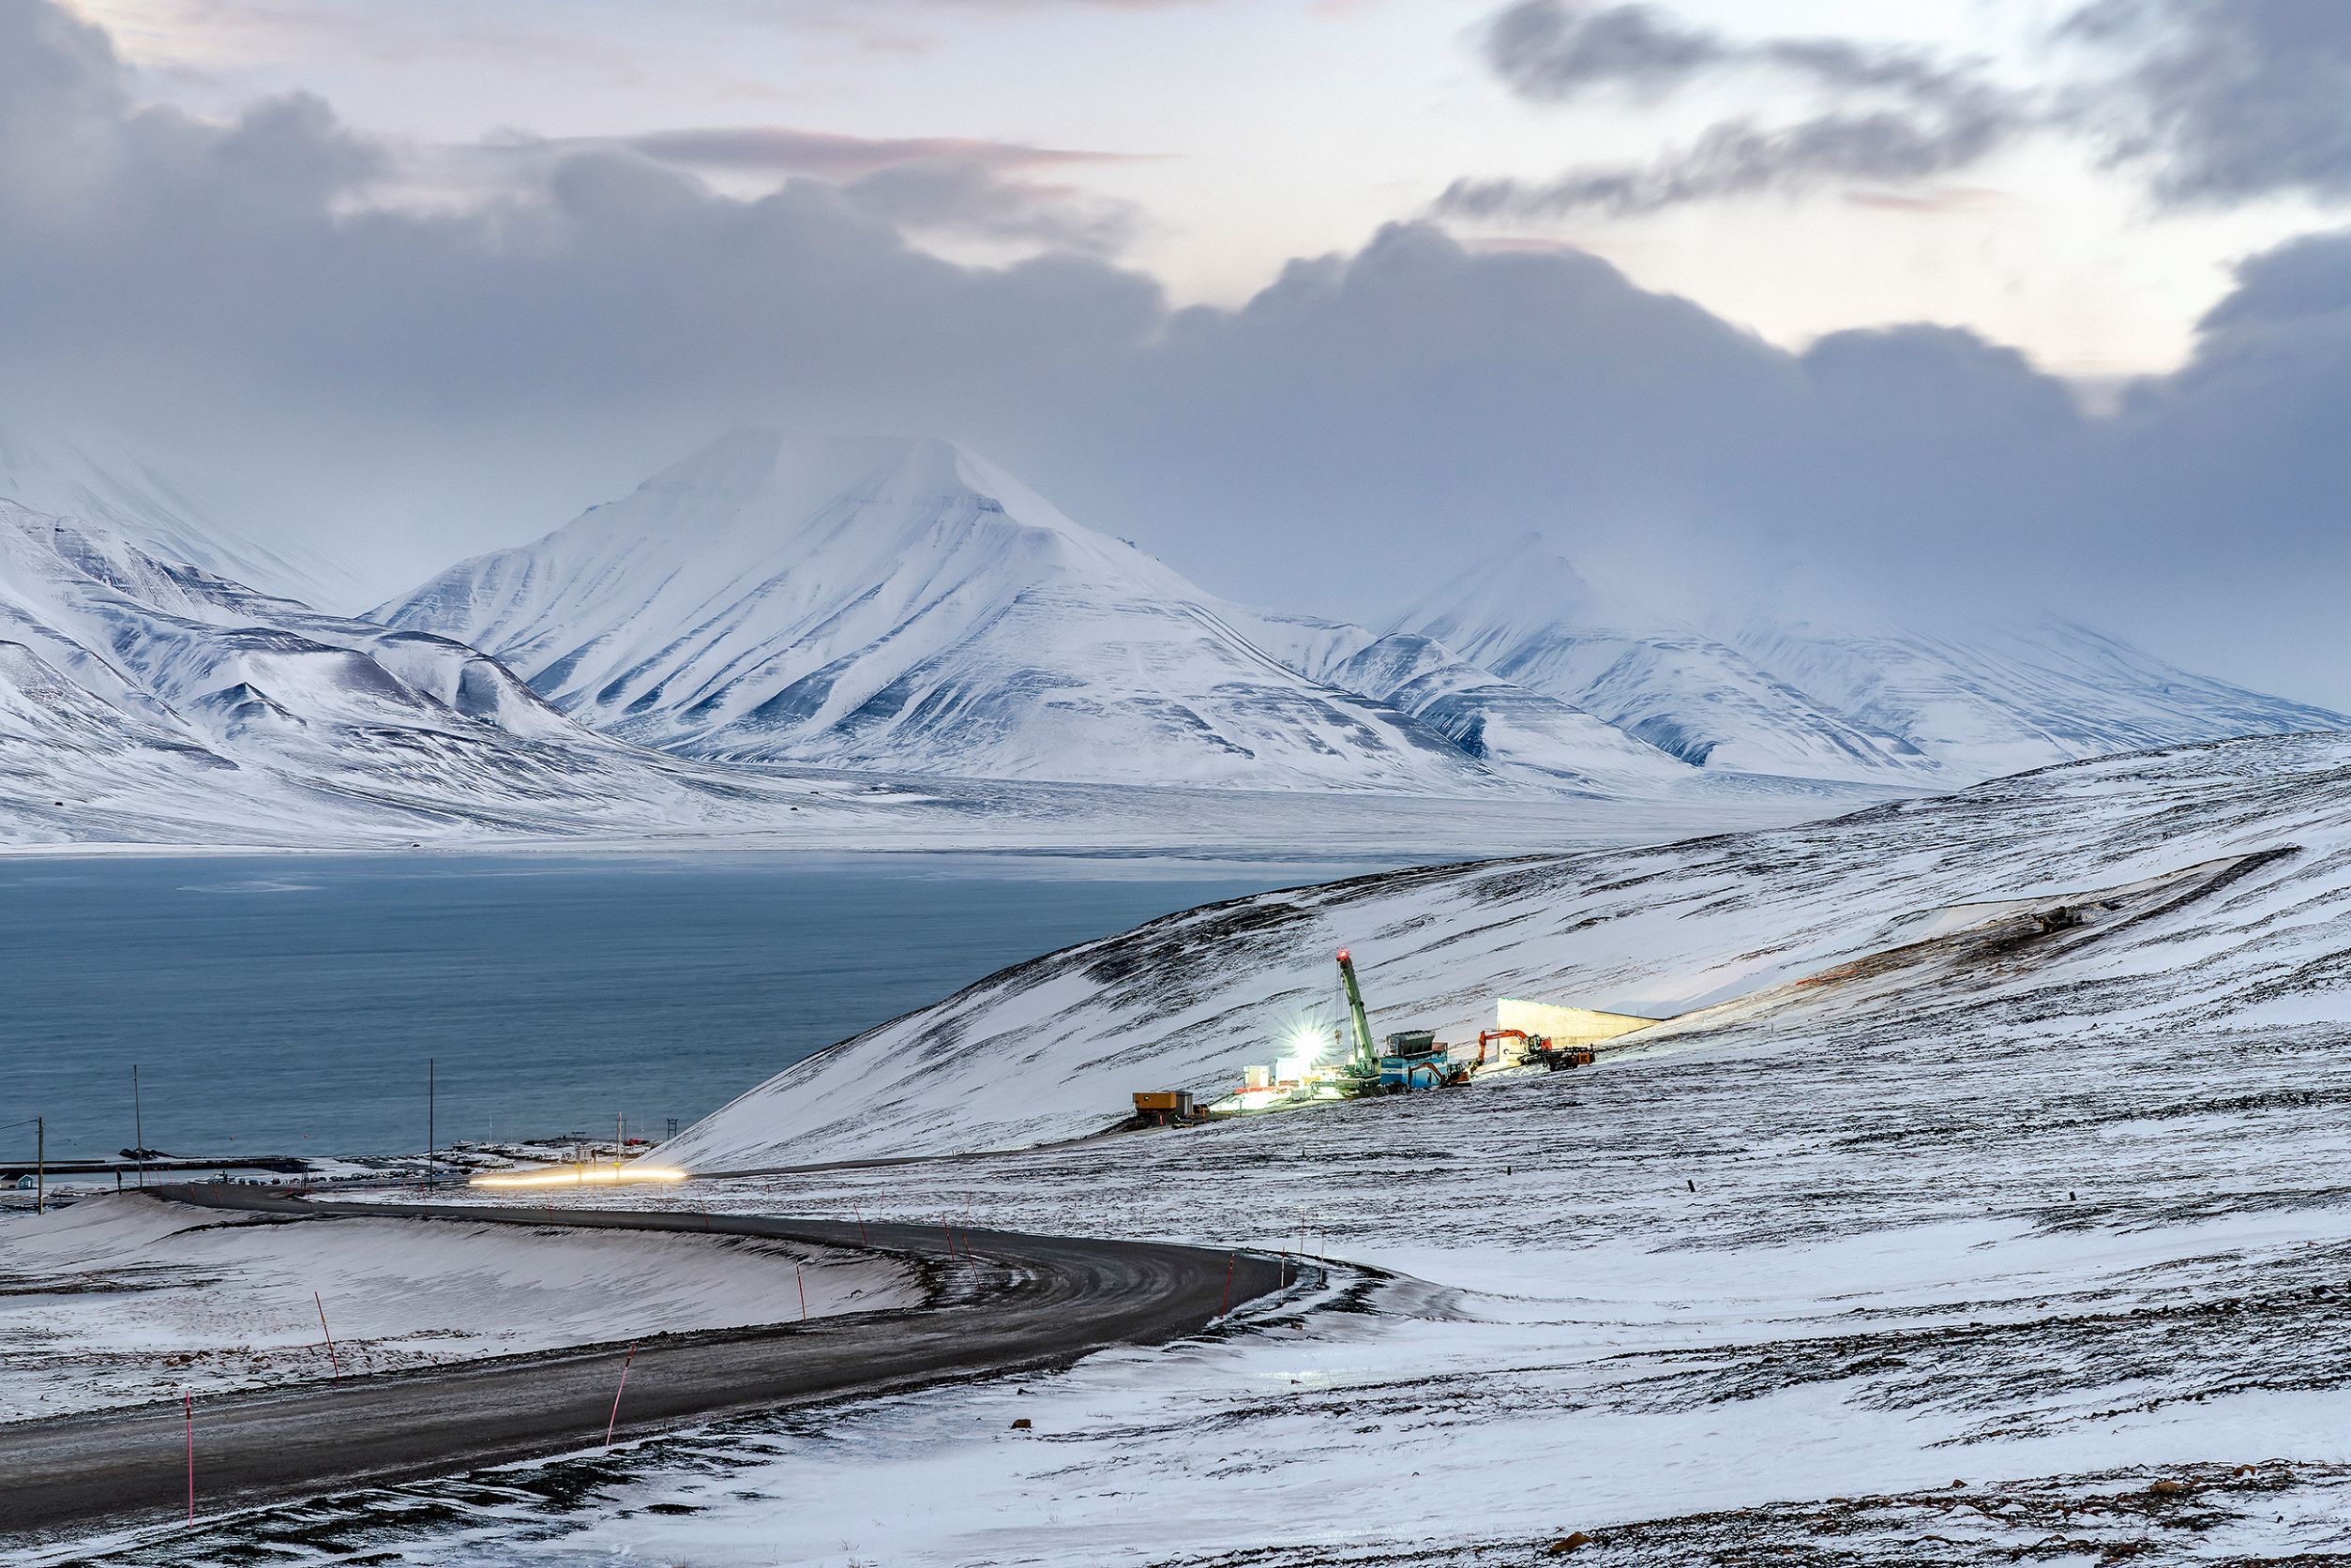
<point x="1566" y="1026"/>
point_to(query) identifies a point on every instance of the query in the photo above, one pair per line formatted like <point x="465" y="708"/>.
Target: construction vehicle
<point x="1494" y="1046"/>
<point x="1165" y="1107"/>
<point x="1362" y="1068"/>
<point x="1542" y="1052"/>
<point x="1534" y="1050"/>
<point x="1412" y="1059"/>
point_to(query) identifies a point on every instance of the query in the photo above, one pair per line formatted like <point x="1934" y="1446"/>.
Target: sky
<point x="1908" y="313"/>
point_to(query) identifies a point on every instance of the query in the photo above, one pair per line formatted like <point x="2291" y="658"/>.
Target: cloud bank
<point x="413" y="380"/>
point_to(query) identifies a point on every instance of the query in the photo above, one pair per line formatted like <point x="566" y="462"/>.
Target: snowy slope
<point x="1778" y="926"/>
<point x="1511" y="729"/>
<point x="1991" y="1245"/>
<point x="1532" y="619"/>
<point x="905" y="606"/>
<point x="48" y="473"/>
<point x="142" y="699"/>
<point x="146" y="702"/>
<point x="1769" y="695"/>
<point x="2008" y="698"/>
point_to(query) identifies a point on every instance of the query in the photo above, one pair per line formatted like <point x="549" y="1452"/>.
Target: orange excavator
<point x="1539" y="1050"/>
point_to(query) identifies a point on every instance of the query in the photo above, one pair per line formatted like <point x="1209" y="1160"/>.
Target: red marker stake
<point x="800" y="1275"/>
<point x="1225" y="1306"/>
<point x="332" y="1358"/>
<point x="861" y="1231"/>
<point x="187" y="1407"/>
<point x="614" y="1417"/>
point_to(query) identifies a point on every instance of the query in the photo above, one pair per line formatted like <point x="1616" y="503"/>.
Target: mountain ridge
<point x="910" y="606"/>
<point x="1884" y="704"/>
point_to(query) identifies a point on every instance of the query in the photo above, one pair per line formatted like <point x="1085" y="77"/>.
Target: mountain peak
<point x="905" y="604"/>
<point x="90" y="481"/>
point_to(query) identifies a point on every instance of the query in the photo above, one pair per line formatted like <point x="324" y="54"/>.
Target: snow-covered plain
<point x="123" y="1300"/>
<point x="1933" y="1195"/>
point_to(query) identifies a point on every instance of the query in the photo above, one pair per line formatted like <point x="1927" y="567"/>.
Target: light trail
<point x="581" y="1176"/>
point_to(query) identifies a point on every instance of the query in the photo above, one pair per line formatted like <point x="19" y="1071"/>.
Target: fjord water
<point x="290" y="1004"/>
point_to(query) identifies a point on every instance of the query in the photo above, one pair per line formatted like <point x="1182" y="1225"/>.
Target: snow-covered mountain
<point x="2009" y="698"/>
<point x="147" y="701"/>
<point x="66" y="477"/>
<point x="905" y="604"/>
<point x="1768" y="696"/>
<point x="1508" y="726"/>
<point x="144" y="700"/>
<point x="1531" y="618"/>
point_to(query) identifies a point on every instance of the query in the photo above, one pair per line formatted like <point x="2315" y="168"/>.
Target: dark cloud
<point x="2224" y="102"/>
<point x="1549" y="50"/>
<point x="1901" y="116"/>
<point x="1741" y="158"/>
<point x="1559" y="50"/>
<point x="2211" y="102"/>
<point x="421" y="380"/>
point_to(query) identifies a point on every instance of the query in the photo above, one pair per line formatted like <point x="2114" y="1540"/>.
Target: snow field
<point x="123" y="1300"/>
<point x="1896" y="1270"/>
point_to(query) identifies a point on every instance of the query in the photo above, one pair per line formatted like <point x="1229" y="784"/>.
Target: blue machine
<point x="1414" y="1060"/>
<point x="1411" y="1060"/>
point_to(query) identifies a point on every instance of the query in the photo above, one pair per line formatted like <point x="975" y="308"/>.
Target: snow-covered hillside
<point x="1531" y="618"/>
<point x="1951" y="1230"/>
<point x="148" y="702"/>
<point x="2009" y="698"/>
<point x="1512" y="730"/>
<point x="907" y="606"/>
<point x="44" y="472"/>
<point x="144" y="701"/>
<point x="2208" y="878"/>
<point x="1770" y="696"/>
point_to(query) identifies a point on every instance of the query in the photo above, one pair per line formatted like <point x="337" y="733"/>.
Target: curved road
<point x="1040" y="1301"/>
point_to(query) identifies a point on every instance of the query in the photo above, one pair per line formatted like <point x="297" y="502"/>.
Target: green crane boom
<point x="1367" y="1054"/>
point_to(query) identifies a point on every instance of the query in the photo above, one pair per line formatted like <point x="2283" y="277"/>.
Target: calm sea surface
<point x="290" y="1003"/>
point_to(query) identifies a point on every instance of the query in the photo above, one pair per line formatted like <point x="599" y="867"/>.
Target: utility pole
<point x="138" y="1125"/>
<point x="619" y="1139"/>
<point x="431" y="1144"/>
<point x="40" y="1164"/>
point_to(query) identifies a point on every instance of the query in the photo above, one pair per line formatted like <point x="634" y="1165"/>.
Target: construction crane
<point x="1364" y="1061"/>
<point x="1413" y="1060"/>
